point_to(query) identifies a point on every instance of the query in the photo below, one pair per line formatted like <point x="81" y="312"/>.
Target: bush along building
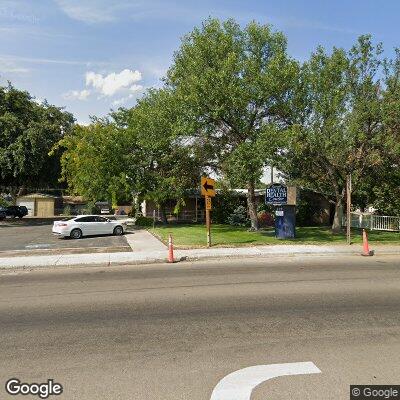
<point x="229" y="207"/>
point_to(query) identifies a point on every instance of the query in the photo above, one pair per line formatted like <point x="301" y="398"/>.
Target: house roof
<point x="36" y="196"/>
<point x="241" y="192"/>
<point x="74" y="200"/>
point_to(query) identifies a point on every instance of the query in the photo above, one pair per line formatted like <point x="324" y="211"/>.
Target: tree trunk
<point x="252" y="206"/>
<point x="337" y="223"/>
<point x="163" y="214"/>
<point x="17" y="192"/>
<point x="14" y="195"/>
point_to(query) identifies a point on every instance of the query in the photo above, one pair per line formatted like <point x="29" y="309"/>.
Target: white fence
<point x="373" y="222"/>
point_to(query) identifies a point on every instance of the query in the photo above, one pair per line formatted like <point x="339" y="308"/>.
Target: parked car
<point x="13" y="212"/>
<point x="87" y="225"/>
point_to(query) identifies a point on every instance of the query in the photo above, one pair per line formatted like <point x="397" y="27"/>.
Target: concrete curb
<point x="132" y="258"/>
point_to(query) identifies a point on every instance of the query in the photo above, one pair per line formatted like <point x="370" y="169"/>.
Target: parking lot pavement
<point x="34" y="237"/>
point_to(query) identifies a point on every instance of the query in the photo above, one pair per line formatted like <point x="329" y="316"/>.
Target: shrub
<point x="67" y="210"/>
<point x="224" y="205"/>
<point x="239" y="217"/>
<point x="265" y="219"/>
<point x="4" y="202"/>
<point x="133" y="211"/>
<point x="262" y="207"/>
<point x="144" y="221"/>
<point x="312" y="209"/>
<point x="91" y="208"/>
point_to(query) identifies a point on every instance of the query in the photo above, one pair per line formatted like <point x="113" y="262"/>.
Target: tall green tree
<point x="163" y="162"/>
<point x="343" y="129"/>
<point x="139" y="151"/>
<point x="28" y="131"/>
<point x="94" y="161"/>
<point x="235" y="85"/>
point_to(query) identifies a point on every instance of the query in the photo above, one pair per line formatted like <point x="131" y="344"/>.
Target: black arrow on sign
<point x="206" y="186"/>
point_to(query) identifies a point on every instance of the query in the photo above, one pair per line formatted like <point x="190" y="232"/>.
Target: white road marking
<point x="239" y="384"/>
<point x="38" y="246"/>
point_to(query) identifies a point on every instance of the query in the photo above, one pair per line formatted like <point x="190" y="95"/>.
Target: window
<point x="101" y="219"/>
<point x="86" y="219"/>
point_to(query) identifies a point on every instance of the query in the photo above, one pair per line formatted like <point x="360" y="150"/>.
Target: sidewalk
<point x="143" y="241"/>
<point x="160" y="255"/>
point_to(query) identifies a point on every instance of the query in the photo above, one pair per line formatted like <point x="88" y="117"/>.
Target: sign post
<point x="208" y="220"/>
<point x="348" y="210"/>
<point x="208" y="191"/>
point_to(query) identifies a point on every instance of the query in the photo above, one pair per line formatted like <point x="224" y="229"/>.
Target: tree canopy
<point x="233" y="101"/>
<point x="235" y="85"/>
<point x="28" y="131"/>
<point x="138" y="151"/>
<point x="348" y="124"/>
<point x="93" y="161"/>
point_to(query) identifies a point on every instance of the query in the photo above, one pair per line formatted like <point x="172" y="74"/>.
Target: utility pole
<point x="272" y="174"/>
<point x="348" y="203"/>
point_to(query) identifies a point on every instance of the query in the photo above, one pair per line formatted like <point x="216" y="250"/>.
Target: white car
<point x="87" y="225"/>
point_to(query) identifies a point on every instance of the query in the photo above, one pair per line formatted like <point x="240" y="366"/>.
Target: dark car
<point x="13" y="212"/>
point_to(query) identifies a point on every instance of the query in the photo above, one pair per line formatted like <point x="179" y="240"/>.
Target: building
<point x="192" y="208"/>
<point x="38" y="205"/>
<point x="313" y="209"/>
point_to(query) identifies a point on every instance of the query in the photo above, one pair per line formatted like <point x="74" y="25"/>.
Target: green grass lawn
<point x="225" y="235"/>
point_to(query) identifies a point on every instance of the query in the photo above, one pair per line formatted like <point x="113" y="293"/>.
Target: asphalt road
<point x="35" y="237"/>
<point x="172" y="332"/>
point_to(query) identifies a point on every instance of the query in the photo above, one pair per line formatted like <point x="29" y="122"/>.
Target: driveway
<point x="21" y="237"/>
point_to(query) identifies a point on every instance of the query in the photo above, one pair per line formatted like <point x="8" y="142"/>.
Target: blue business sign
<point x="276" y="194"/>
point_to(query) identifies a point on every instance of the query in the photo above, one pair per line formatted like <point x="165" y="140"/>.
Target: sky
<point x="91" y="56"/>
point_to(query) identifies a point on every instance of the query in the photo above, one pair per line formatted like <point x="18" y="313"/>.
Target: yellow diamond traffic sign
<point x="207" y="186"/>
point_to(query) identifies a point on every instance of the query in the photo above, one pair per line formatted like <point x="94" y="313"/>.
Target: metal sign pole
<point x="208" y="191"/>
<point x="208" y="220"/>
<point x="348" y="192"/>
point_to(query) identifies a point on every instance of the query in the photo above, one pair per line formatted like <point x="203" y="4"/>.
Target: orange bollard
<point x="170" y="250"/>
<point x="366" y="250"/>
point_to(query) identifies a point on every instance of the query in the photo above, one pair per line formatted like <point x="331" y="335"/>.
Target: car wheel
<point x="76" y="234"/>
<point x="118" y="230"/>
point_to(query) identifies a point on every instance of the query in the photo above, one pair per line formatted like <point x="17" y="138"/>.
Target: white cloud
<point x="11" y="67"/>
<point x="30" y="60"/>
<point x="109" y="85"/>
<point x="90" y="11"/>
<point x="106" y="11"/>
<point x="123" y="100"/>
<point x="77" y="94"/>
<point x="123" y="83"/>
<point x="100" y="11"/>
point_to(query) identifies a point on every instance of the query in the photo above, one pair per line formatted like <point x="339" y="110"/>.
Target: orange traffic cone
<point x="170" y="250"/>
<point x="366" y="250"/>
